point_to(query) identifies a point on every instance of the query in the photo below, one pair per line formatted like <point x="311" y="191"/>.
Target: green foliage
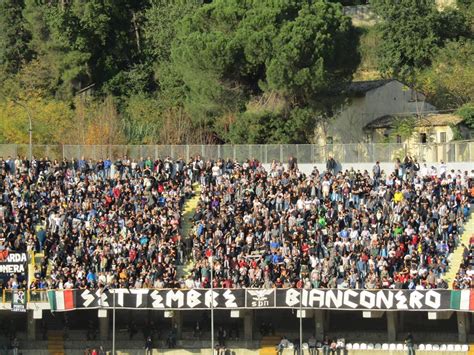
<point x="467" y="114"/>
<point x="457" y="134"/>
<point x="369" y="43"/>
<point x="351" y="2"/>
<point x="228" y="51"/>
<point x="86" y="42"/>
<point x="310" y="53"/>
<point x="403" y="127"/>
<point x="183" y="71"/>
<point x="14" y="37"/>
<point x="272" y="128"/>
<point x="412" y="31"/>
<point x="46" y="113"/>
<point x="449" y="82"/>
<point x="161" y="22"/>
<point x="142" y="120"/>
<point x="408" y="35"/>
<point x="451" y="25"/>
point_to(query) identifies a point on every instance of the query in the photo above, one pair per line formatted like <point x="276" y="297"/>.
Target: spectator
<point x="292" y="163"/>
<point x="410" y="344"/>
<point x="312" y="345"/>
<point x="171" y="340"/>
<point x="326" y="345"/>
<point x="377" y="172"/>
<point x="284" y="344"/>
<point x="148" y="346"/>
<point x="331" y="165"/>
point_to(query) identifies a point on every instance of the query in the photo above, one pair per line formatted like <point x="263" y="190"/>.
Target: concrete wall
<point x="433" y="135"/>
<point x="389" y="99"/>
<point x="386" y="166"/>
<point x="241" y="352"/>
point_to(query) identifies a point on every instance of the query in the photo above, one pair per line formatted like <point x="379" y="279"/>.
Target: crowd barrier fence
<point x="458" y="151"/>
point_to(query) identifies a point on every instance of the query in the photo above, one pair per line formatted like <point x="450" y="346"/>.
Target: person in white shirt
<point x="442" y="169"/>
<point x="189" y="283"/>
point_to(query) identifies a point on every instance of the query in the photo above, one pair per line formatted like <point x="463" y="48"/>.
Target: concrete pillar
<point x="178" y="323"/>
<point x="463" y="326"/>
<point x="321" y="323"/>
<point x="103" y="324"/>
<point x="31" y="326"/>
<point x="392" y="326"/>
<point x="248" y="325"/>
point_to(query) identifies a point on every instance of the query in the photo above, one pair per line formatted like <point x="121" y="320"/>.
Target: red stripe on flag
<point x="68" y="299"/>
<point x="471" y="300"/>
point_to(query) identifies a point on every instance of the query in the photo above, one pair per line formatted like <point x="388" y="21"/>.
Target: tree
<point x="412" y="31"/>
<point x="449" y="82"/>
<point x="14" y="37"/>
<point x="272" y="128"/>
<point x="104" y="124"/>
<point x="52" y="119"/>
<point x="467" y="114"/>
<point x="88" y="42"/>
<point x="452" y="24"/>
<point x="310" y="53"/>
<point x="408" y="36"/>
<point x="142" y="121"/>
<point x="368" y="46"/>
<point x="161" y="24"/>
<point x="229" y="51"/>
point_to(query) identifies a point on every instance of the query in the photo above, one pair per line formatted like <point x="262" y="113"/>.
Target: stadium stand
<point x="117" y="224"/>
<point x="349" y="229"/>
<point x="97" y="223"/>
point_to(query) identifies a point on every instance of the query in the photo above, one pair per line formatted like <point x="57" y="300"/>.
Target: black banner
<point x="199" y="299"/>
<point x="13" y="263"/>
<point x="161" y="299"/>
<point x="365" y="299"/>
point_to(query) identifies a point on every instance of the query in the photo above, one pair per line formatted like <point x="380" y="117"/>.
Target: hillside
<point x="196" y="71"/>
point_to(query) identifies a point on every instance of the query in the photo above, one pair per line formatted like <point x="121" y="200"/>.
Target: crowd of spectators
<point x="98" y="223"/>
<point x="329" y="229"/>
<point x="463" y="278"/>
<point x="117" y="223"/>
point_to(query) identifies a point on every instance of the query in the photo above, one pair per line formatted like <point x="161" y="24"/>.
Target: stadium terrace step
<point x="31" y="265"/>
<point x="56" y="342"/>
<point x="38" y="258"/>
<point x="268" y="345"/>
<point x="189" y="208"/>
<point x="187" y="226"/>
<point x="457" y="256"/>
<point x="35" y="261"/>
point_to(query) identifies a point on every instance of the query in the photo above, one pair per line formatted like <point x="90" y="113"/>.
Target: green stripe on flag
<point x="52" y="299"/>
<point x="455" y="299"/>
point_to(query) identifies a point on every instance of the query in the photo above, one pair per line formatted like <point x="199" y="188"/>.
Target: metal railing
<point x="459" y="151"/>
<point x="33" y="296"/>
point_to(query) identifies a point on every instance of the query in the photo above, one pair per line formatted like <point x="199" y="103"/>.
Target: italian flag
<point x="462" y="300"/>
<point x="63" y="300"/>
